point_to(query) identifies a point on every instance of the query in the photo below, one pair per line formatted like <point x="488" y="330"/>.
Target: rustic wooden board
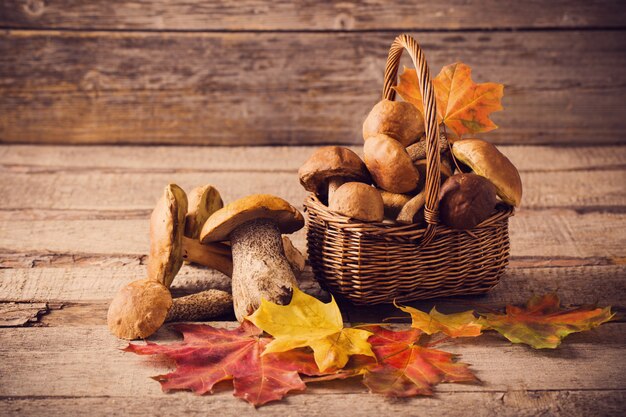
<point x="95" y="194"/>
<point x="85" y="360"/>
<point x="216" y="88"/>
<point x="536" y="233"/>
<point x="522" y="403"/>
<point x="542" y="234"/>
<point x="97" y="283"/>
<point x="175" y="159"/>
<point x="306" y="15"/>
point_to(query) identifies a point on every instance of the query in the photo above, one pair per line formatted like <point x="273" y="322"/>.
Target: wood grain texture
<point x="542" y="234"/>
<point x="20" y="314"/>
<point x="306" y="15"/>
<point x="86" y="360"/>
<point x="153" y="159"/>
<point x="92" y="194"/>
<point x="272" y="88"/>
<point x="519" y="403"/>
<point x="98" y="285"/>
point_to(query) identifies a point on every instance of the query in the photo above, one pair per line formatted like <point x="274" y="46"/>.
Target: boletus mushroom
<point x="329" y="167"/>
<point x="393" y="203"/>
<point x="487" y="161"/>
<point x="141" y="307"/>
<point x="358" y="201"/>
<point x="253" y="225"/>
<point x="389" y="164"/>
<point x="169" y="246"/>
<point x="465" y="200"/>
<point x="202" y="203"/>
<point x="397" y="119"/>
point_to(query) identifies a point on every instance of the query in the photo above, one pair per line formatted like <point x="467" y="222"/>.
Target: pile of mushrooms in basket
<point x="388" y="184"/>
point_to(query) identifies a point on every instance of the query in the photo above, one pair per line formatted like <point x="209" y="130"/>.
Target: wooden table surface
<point x="74" y="228"/>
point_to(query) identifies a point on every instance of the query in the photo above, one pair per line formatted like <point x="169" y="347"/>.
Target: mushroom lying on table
<point x="253" y="225"/>
<point x="329" y="167"/>
<point x="142" y="306"/>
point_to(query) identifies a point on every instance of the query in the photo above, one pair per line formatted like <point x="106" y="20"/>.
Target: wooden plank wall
<point x="302" y="72"/>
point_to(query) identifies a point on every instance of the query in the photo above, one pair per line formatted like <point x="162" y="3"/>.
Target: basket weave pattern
<point x="374" y="263"/>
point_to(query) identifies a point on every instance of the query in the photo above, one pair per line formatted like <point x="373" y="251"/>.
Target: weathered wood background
<point x="74" y="219"/>
<point x="306" y="72"/>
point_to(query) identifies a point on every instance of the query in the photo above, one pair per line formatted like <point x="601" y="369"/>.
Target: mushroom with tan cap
<point x="202" y="203"/>
<point x="390" y="165"/>
<point x="169" y="246"/>
<point x="397" y="119"/>
<point x="487" y="161"/>
<point x="140" y="308"/>
<point x="260" y="269"/>
<point x="358" y="201"/>
<point x="329" y="167"/>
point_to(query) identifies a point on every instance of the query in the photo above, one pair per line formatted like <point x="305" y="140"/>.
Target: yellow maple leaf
<point x="306" y="321"/>
<point x="462" y="105"/>
<point x="463" y="324"/>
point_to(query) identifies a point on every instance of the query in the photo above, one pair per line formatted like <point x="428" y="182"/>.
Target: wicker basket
<point x="373" y="263"/>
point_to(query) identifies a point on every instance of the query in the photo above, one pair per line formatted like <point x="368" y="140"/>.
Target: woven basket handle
<point x="402" y="42"/>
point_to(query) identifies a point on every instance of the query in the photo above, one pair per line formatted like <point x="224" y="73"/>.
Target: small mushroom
<point x="390" y="165"/>
<point x="203" y="201"/>
<point x="393" y="203"/>
<point x="169" y="246"/>
<point x="141" y="307"/>
<point x="487" y="161"/>
<point x="260" y="269"/>
<point x="397" y="119"/>
<point x="413" y="210"/>
<point x="358" y="201"/>
<point x="329" y="167"/>
<point x="417" y="150"/>
<point x="465" y="200"/>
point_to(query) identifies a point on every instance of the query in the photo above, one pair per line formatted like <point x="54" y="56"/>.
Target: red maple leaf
<point x="208" y="355"/>
<point x="405" y="368"/>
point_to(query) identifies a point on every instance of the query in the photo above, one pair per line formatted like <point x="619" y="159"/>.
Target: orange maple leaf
<point x="462" y="105"/>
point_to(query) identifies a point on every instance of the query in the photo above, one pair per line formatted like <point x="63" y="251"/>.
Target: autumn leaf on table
<point x="462" y="105"/>
<point x="406" y="369"/>
<point x="543" y="323"/>
<point x="306" y="321"/>
<point x="463" y="324"/>
<point x="209" y="355"/>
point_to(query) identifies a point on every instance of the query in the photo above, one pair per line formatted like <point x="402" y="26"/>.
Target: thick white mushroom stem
<point x="213" y="255"/>
<point x="260" y="268"/>
<point x="333" y="184"/>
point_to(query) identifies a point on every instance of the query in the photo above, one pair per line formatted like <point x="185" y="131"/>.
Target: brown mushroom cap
<point x="487" y="161"/>
<point x="359" y="201"/>
<point x="203" y="201"/>
<point x="465" y="200"/>
<point x="390" y="164"/>
<point x="167" y="226"/>
<point x="139" y="309"/>
<point x="397" y="119"/>
<point x="253" y="207"/>
<point x="331" y="162"/>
